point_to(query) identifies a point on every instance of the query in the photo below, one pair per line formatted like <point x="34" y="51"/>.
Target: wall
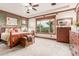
<point x="4" y="15"/>
<point x="31" y="24"/>
<point x="67" y="14"/>
<point x="2" y="19"/>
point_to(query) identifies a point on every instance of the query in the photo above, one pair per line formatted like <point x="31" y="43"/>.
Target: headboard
<point x="0" y="32"/>
<point x="2" y="29"/>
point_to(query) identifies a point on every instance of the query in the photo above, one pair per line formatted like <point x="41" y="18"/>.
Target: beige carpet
<point x="41" y="47"/>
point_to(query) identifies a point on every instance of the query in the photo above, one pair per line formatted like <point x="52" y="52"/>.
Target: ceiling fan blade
<point x="34" y="9"/>
<point x="30" y="4"/>
<point x="35" y="5"/>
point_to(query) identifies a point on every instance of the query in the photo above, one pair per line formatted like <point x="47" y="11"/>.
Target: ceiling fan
<point x="31" y="6"/>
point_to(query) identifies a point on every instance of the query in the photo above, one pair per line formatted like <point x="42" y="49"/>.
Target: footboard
<point x="11" y="42"/>
<point x="16" y="38"/>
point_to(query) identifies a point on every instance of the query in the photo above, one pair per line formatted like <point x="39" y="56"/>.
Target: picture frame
<point x="65" y="22"/>
<point x="23" y="22"/>
<point x="11" y="21"/>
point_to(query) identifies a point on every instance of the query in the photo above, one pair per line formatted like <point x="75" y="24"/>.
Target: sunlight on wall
<point x="31" y="24"/>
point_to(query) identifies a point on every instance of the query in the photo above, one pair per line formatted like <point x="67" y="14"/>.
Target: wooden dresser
<point x="74" y="43"/>
<point x="63" y="34"/>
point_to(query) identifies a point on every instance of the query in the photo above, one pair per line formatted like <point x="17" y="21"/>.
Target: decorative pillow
<point x="15" y="29"/>
<point x="7" y="30"/>
<point x="18" y="29"/>
<point x="24" y="29"/>
<point x="12" y="30"/>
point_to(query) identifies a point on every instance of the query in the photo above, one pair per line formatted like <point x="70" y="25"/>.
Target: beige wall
<point x="31" y="24"/>
<point x="67" y="14"/>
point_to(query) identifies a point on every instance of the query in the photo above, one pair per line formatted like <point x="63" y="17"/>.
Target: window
<point x="24" y="25"/>
<point x="44" y="26"/>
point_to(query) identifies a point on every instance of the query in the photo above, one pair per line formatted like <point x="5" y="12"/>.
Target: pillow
<point x="24" y="29"/>
<point x="17" y="30"/>
<point x="12" y="30"/>
<point x="7" y="30"/>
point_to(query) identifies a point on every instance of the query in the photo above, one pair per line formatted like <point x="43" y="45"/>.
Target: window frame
<point x="49" y="28"/>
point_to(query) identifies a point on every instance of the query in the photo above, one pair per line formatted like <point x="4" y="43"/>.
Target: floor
<point x="41" y="47"/>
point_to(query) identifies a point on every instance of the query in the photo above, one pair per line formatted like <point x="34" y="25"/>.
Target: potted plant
<point x="77" y="26"/>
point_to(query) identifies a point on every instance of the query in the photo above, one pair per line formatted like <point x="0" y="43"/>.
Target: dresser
<point x="63" y="34"/>
<point x="74" y="43"/>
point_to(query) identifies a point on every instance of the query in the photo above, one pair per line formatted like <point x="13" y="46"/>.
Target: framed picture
<point x="65" y="22"/>
<point x="11" y="21"/>
<point x="23" y="22"/>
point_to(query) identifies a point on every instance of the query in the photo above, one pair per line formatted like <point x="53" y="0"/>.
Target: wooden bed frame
<point x="16" y="37"/>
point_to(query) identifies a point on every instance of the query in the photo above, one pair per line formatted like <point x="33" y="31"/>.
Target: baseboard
<point x="45" y="37"/>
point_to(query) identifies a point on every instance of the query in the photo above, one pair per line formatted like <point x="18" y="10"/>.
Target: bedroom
<point x="36" y="26"/>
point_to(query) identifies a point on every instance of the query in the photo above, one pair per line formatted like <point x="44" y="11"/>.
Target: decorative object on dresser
<point x="63" y="34"/>
<point x="77" y="26"/>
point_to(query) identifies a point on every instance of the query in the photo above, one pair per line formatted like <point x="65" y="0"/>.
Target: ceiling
<point x="19" y="9"/>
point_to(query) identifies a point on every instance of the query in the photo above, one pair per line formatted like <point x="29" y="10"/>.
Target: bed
<point x="12" y="37"/>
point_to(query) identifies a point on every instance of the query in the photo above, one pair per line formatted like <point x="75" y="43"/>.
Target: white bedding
<point x="20" y="33"/>
<point x="5" y="36"/>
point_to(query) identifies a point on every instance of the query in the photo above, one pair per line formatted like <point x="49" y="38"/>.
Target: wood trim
<point x="45" y="17"/>
<point x="54" y="12"/>
<point x="77" y="10"/>
<point x="11" y="40"/>
<point x="76" y="5"/>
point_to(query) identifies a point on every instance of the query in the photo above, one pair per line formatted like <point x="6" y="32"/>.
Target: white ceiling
<point x="19" y="9"/>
